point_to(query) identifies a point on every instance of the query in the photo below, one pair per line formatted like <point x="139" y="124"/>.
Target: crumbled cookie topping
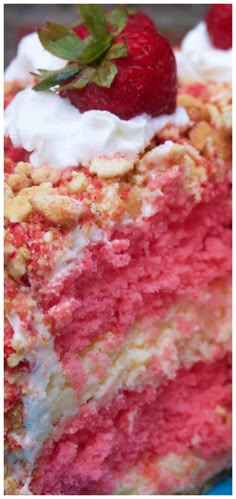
<point x="43" y="204"/>
<point x="117" y="166"/>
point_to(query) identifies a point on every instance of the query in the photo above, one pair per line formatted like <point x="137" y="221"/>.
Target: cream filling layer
<point x="47" y="396"/>
<point x="153" y="350"/>
<point x="177" y="474"/>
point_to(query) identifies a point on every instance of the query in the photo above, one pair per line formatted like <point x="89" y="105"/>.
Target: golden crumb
<point x="59" y="210"/>
<point x="18" y="181"/>
<point x="192" y="105"/>
<point x="134" y="203"/>
<point x="45" y="174"/>
<point x="11" y="485"/>
<point x="78" y="183"/>
<point x="8" y="194"/>
<point x="199" y="133"/>
<point x="227" y="118"/>
<point x="24" y="168"/>
<point x="212" y="115"/>
<point x="223" y="143"/>
<point x="112" y="167"/>
<point x="17" y="267"/>
<point x="17" y="209"/>
<point x="29" y="192"/>
<point x="161" y="158"/>
<point x="14" y="359"/>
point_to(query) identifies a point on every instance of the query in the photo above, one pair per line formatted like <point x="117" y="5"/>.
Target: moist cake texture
<point x="118" y="310"/>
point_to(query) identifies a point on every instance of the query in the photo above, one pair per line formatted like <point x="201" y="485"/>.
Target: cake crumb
<point x="59" y="210"/>
<point x="45" y="174"/>
<point x="18" y="181"/>
<point x="199" y="133"/>
<point x="78" y="183"/>
<point x="17" y="209"/>
<point x="111" y="167"/>
<point x="192" y="105"/>
<point x="24" y="168"/>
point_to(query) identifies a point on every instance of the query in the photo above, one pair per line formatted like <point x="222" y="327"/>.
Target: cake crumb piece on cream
<point x="112" y="167"/>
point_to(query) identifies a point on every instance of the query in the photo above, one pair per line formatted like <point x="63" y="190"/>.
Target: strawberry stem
<point x="89" y="59"/>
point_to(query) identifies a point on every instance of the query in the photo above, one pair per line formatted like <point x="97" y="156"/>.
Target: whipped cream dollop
<point x="58" y="135"/>
<point x="55" y="132"/>
<point x="30" y="57"/>
<point x="197" y="59"/>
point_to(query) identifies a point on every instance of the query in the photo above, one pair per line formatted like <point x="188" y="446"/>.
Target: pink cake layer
<point x="144" y="270"/>
<point x="146" y="267"/>
<point x="96" y="447"/>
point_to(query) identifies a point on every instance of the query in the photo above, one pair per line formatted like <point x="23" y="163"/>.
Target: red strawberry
<point x="146" y="78"/>
<point x="219" y="25"/>
<point x="81" y="31"/>
<point x="134" y="21"/>
<point x="118" y="62"/>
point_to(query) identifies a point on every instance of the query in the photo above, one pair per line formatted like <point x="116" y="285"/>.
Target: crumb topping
<point x="210" y="111"/>
<point x="42" y="205"/>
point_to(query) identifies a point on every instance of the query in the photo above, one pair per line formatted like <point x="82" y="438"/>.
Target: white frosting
<point x="30" y="57"/>
<point x="47" y="396"/>
<point x="39" y="401"/>
<point x="59" y="135"/>
<point x="199" y="60"/>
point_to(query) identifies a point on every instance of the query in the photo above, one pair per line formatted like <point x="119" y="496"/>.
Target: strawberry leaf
<point x="65" y="48"/>
<point x="56" y="78"/>
<point x="57" y="31"/>
<point x="117" y="50"/>
<point x="42" y="73"/>
<point x="118" y="17"/>
<point x="94" y="51"/>
<point x="61" y="41"/>
<point x="45" y="73"/>
<point x="93" y="17"/>
<point x="90" y="59"/>
<point x="104" y="74"/>
<point x="84" y="77"/>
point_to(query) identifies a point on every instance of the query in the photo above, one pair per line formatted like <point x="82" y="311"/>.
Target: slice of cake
<point x="118" y="268"/>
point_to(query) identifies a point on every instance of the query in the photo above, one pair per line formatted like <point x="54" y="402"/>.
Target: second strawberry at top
<point x="142" y="79"/>
<point x="219" y="25"/>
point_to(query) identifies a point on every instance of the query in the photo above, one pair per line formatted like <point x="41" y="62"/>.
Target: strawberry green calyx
<point x="89" y="60"/>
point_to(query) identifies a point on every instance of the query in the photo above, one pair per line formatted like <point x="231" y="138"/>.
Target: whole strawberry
<point x="219" y="25"/>
<point x="143" y="78"/>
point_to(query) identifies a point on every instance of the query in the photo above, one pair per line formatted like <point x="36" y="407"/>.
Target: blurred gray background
<point x="173" y="20"/>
